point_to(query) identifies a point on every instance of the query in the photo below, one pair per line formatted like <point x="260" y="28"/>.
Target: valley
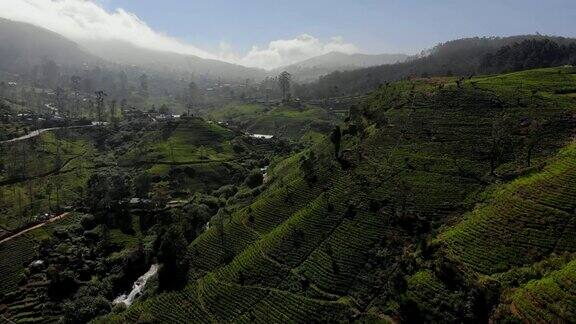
<point x="147" y="180"/>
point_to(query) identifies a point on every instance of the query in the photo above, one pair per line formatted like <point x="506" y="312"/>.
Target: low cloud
<point x="82" y="20"/>
<point x="289" y="51"/>
<point x="85" y="20"/>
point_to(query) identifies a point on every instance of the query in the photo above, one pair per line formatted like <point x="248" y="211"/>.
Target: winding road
<point x="24" y="231"/>
<point x="43" y="130"/>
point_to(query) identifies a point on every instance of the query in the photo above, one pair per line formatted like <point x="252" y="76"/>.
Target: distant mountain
<point x="23" y="46"/>
<point x="312" y="68"/>
<point x="461" y="57"/>
<point x="129" y="54"/>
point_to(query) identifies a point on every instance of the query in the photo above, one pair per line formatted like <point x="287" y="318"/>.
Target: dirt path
<point x="40" y="131"/>
<point x="51" y="220"/>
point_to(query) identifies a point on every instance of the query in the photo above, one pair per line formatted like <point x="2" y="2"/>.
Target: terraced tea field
<point x="549" y="299"/>
<point x="418" y="159"/>
<point x="523" y="221"/>
<point x="18" y="253"/>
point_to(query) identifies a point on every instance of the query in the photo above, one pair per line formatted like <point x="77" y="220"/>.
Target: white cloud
<point x="289" y="51"/>
<point x="85" y="20"/>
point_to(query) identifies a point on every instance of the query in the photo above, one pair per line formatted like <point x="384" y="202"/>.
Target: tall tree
<point x="76" y="89"/>
<point x="284" y="80"/>
<point x="61" y="101"/>
<point x="113" y="110"/>
<point x="3" y="89"/>
<point x="336" y="138"/>
<point x="191" y="96"/>
<point x="100" y="104"/>
<point x="144" y="85"/>
<point x="123" y="91"/>
<point x="172" y="255"/>
<point x="50" y="72"/>
<point x="123" y="106"/>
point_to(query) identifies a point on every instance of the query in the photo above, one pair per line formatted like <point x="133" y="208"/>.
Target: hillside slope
<point x="161" y="61"/>
<point x="350" y="231"/>
<point x="280" y="121"/>
<point x="24" y="45"/>
<point x="461" y="57"/>
<point x="311" y="69"/>
<point x="129" y="179"/>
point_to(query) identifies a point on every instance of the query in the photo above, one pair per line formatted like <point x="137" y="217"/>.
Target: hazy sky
<point x="270" y="33"/>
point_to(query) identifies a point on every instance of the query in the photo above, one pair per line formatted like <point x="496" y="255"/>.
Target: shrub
<point x="254" y="179"/>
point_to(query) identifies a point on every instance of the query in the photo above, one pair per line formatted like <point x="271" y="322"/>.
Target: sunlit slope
<point x="185" y="141"/>
<point x="317" y="242"/>
<point x="551" y="299"/>
<point x="199" y="154"/>
<point x="522" y="222"/>
<point x="42" y="174"/>
<point x="285" y="121"/>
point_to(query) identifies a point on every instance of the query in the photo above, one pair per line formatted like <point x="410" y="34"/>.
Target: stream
<point x="137" y="288"/>
<point x="262" y="136"/>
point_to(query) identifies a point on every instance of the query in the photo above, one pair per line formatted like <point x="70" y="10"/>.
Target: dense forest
<point x="529" y="54"/>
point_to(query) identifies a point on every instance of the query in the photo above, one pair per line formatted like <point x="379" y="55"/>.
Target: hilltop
<point x="460" y="57"/>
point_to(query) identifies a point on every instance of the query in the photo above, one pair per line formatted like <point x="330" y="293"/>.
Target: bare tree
<point x="3" y="89"/>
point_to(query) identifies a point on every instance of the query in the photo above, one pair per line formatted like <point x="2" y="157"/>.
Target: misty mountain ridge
<point x="313" y="68"/>
<point x="165" y="61"/>
<point x="459" y="57"/>
<point x="24" y="45"/>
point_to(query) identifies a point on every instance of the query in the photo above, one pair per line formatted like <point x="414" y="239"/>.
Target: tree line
<point x="463" y="57"/>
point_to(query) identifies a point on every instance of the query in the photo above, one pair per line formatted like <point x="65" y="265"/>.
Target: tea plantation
<point x="430" y="193"/>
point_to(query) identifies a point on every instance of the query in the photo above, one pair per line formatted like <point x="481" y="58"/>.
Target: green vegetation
<point x="549" y="299"/>
<point x="187" y="142"/>
<point x="462" y="57"/>
<point x="521" y="222"/>
<point x="15" y="256"/>
<point x="133" y="180"/>
<point x="434" y="190"/>
<point x="436" y="200"/>
<point x="378" y="229"/>
<point x="43" y="174"/>
<point x="288" y="121"/>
